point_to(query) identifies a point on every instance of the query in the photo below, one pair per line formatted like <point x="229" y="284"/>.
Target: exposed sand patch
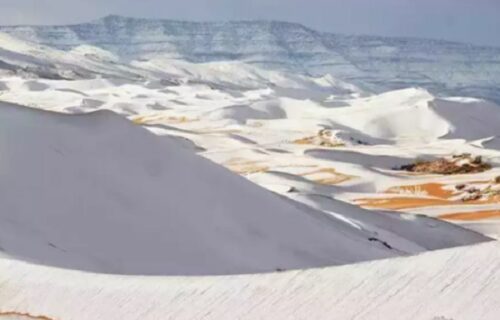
<point x="12" y="315"/>
<point x="141" y="120"/>
<point x="176" y="120"/>
<point x="327" y="176"/>
<point x="471" y="216"/>
<point x="437" y="190"/>
<point x="434" y="194"/>
<point x="399" y="203"/>
<point x="245" y="167"/>
<point x="416" y="196"/>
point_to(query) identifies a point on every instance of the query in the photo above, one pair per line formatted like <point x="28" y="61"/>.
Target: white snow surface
<point x="458" y="284"/>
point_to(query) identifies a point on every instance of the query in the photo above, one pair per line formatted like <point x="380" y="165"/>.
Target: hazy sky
<point x="474" y="21"/>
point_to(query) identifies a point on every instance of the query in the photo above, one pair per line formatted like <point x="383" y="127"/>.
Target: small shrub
<point x="458" y="164"/>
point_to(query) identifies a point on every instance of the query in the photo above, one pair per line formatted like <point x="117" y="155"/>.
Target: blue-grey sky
<point x="473" y="21"/>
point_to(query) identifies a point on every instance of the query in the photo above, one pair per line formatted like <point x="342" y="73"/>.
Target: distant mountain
<point x="373" y="63"/>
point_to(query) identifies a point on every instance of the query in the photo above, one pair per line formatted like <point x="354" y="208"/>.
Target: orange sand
<point x="471" y="216"/>
<point x="435" y="195"/>
<point x="399" y="203"/>
<point x="431" y="189"/>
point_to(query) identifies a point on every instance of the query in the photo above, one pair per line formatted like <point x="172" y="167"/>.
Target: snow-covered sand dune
<point x="458" y="284"/>
<point x="97" y="192"/>
<point x="325" y="131"/>
<point x="83" y="187"/>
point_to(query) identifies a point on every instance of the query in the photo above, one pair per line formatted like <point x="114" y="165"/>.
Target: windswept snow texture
<point x="373" y="63"/>
<point x="454" y="284"/>
<point x="97" y="192"/>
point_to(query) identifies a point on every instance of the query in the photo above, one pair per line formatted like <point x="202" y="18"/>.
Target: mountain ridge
<point x="255" y="21"/>
<point x="374" y="63"/>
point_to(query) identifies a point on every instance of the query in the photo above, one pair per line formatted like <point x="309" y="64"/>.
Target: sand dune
<point x="107" y="196"/>
<point x="124" y="174"/>
<point x="455" y="284"/>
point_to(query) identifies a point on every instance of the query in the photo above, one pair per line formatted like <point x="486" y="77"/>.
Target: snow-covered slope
<point x="29" y="59"/>
<point x="374" y="63"/>
<point x="83" y="187"/>
<point x="96" y="192"/>
<point x="458" y="284"/>
<point x="107" y="196"/>
<point x="316" y="136"/>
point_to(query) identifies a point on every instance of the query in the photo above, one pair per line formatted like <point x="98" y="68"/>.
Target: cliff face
<point x="374" y="63"/>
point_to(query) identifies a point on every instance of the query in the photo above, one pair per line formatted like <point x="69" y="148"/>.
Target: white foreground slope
<point x="453" y="284"/>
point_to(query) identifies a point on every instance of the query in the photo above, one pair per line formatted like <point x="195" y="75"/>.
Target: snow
<point x="458" y="284"/>
<point x="470" y="120"/>
<point x="107" y="196"/>
<point x="153" y="156"/>
<point x="377" y="64"/>
<point x="95" y="53"/>
<point x="249" y="119"/>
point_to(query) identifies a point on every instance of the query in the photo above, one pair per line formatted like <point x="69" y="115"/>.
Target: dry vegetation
<point x="437" y="194"/>
<point x="473" y="193"/>
<point x="324" y="138"/>
<point x="459" y="164"/>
